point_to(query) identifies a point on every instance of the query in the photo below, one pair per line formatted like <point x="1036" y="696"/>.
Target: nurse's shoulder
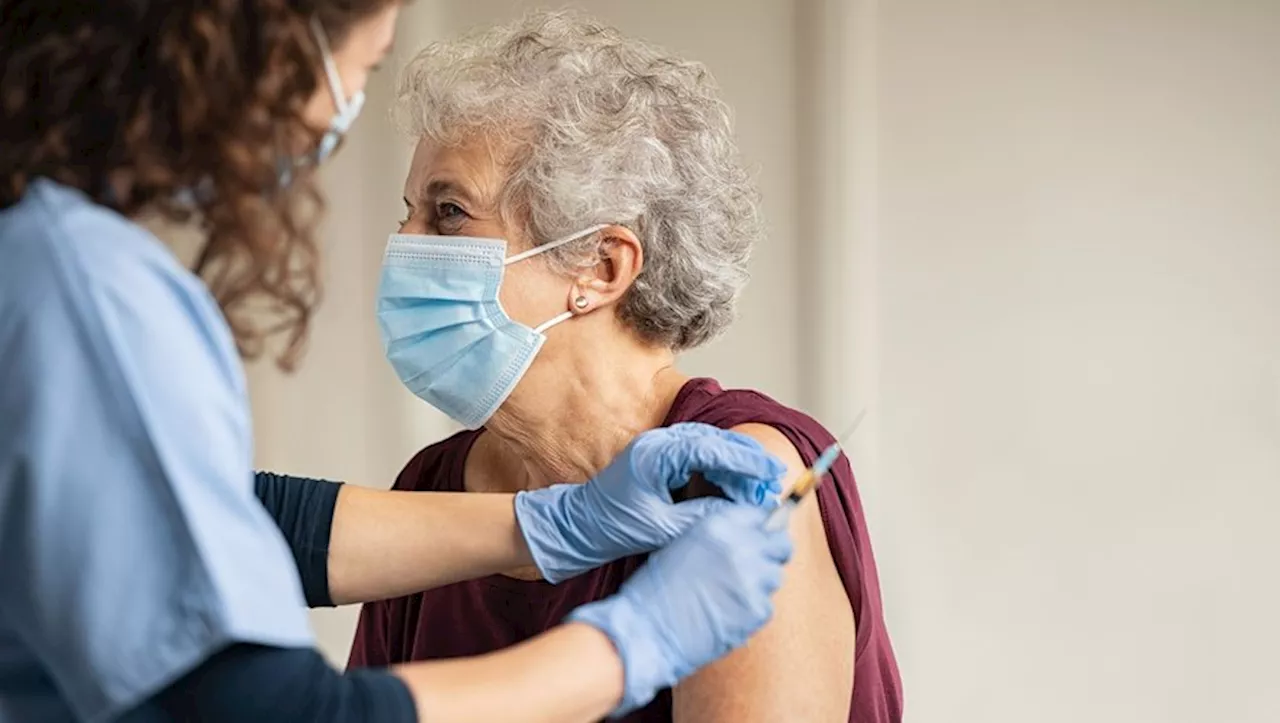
<point x="73" y="264"/>
<point x="128" y="522"/>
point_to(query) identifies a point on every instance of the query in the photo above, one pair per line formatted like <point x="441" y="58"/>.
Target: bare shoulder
<point x="813" y="620"/>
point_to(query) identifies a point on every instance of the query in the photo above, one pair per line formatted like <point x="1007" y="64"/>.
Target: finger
<point x="682" y="431"/>
<point x="694" y="428"/>
<point x="748" y="445"/>
<point x="777" y="546"/>
<point x="717" y="453"/>
<point x="688" y="431"/>
<point x="721" y="455"/>
<point x="772" y="581"/>
<point x="664" y="452"/>
<point x="763" y="613"/>
<point x="748" y="490"/>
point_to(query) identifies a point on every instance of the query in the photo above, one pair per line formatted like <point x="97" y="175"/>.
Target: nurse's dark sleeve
<point x="259" y="684"/>
<point x="303" y="510"/>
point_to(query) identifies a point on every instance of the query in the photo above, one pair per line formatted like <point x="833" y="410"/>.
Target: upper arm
<point x="133" y="543"/>
<point x="800" y="665"/>
<point x="303" y="508"/>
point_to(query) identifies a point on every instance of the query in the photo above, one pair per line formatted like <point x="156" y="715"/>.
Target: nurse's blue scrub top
<point x="131" y="543"/>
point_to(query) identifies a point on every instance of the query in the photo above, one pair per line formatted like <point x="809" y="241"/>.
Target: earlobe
<point x="584" y="297"/>
<point x="619" y="260"/>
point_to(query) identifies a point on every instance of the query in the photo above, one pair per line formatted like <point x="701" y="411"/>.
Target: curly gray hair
<point x="604" y="129"/>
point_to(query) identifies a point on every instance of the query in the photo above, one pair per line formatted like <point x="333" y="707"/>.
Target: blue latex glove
<point x="627" y="509"/>
<point x="692" y="602"/>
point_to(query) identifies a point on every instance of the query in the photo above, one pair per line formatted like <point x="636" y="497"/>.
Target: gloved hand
<point x="693" y="601"/>
<point x="628" y="510"/>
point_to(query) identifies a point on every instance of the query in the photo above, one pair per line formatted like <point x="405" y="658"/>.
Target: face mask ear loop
<point x="330" y="70"/>
<point x="541" y="328"/>
<point x="553" y="245"/>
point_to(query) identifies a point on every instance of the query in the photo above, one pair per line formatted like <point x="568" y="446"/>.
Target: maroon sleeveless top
<point x="496" y="612"/>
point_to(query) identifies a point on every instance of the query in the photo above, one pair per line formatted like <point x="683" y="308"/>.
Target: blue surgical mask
<point x="443" y="328"/>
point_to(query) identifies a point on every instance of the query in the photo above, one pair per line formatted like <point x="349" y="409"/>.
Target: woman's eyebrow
<point x="444" y="187"/>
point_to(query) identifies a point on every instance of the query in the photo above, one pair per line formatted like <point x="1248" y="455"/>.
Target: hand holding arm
<point x="691" y="603"/>
<point x="360" y="544"/>
<point x="628" y="509"/>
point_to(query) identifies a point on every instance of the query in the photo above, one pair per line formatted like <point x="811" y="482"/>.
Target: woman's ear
<point x="620" y="257"/>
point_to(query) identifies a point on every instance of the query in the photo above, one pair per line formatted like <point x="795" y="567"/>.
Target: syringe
<point x="811" y="478"/>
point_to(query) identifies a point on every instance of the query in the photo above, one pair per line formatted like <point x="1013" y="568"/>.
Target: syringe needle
<point x="848" y="433"/>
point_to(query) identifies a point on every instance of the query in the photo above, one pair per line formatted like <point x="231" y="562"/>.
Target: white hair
<point x="603" y="129"/>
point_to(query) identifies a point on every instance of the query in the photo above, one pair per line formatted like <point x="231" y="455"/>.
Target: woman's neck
<point x="572" y="416"/>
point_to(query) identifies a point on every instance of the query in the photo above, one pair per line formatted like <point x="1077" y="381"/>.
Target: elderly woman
<point x="577" y="214"/>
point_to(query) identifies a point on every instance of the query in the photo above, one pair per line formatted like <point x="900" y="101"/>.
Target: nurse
<point x="141" y="579"/>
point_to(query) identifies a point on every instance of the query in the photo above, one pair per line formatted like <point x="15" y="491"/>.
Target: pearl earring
<point x="580" y="302"/>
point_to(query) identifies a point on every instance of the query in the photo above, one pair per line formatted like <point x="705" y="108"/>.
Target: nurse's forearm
<point x="386" y="544"/>
<point x="353" y="544"/>
<point x="571" y="674"/>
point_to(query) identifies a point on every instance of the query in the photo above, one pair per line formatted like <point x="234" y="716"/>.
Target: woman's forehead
<point x="470" y="167"/>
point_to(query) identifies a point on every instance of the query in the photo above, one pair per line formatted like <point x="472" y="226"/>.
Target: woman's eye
<point x="448" y="210"/>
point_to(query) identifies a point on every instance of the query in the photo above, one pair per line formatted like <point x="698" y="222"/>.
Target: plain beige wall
<point x="1079" y="315"/>
<point x="1041" y="241"/>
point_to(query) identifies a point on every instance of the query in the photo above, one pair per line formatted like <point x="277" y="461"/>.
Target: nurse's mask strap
<point x="331" y="75"/>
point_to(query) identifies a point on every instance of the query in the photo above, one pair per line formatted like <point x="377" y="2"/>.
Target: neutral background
<point x="1041" y="242"/>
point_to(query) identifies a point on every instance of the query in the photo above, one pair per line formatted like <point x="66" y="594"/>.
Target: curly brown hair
<point x="139" y="102"/>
